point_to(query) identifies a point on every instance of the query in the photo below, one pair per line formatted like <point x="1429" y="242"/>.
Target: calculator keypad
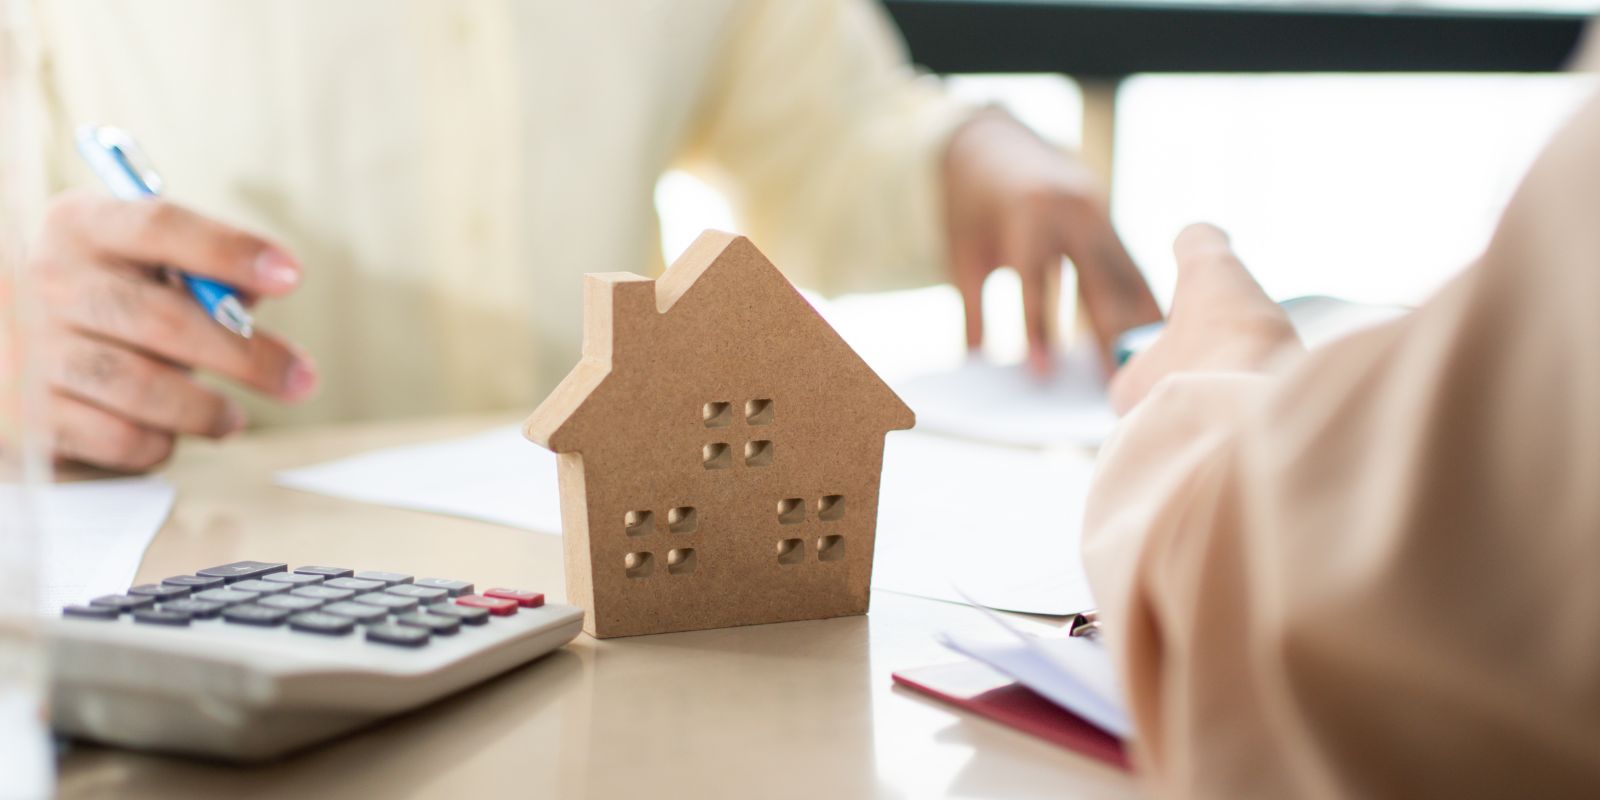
<point x="260" y="587"/>
<point x="434" y="622"/>
<point x="226" y="597"/>
<point x="194" y="582"/>
<point x="391" y="608"/>
<point x="152" y="616"/>
<point x="323" y="593"/>
<point x="387" y="578"/>
<point x="325" y="624"/>
<point x="325" y="572"/>
<point x="197" y="609"/>
<point x="289" y="602"/>
<point x="394" y="633"/>
<point x="161" y="591"/>
<point x="252" y="614"/>
<point x="425" y="594"/>
<point x="123" y="602"/>
<point x="91" y="612"/>
<point x="360" y="612"/>
<point x="242" y="570"/>
<point x="454" y="588"/>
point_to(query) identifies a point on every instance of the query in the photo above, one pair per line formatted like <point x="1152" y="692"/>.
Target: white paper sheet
<point x="1006" y="404"/>
<point x="1001" y="523"/>
<point x="95" y="534"/>
<point x="496" y="476"/>
<point x="27" y="765"/>
<point x="1074" y="673"/>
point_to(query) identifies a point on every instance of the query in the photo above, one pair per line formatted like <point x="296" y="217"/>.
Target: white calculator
<point x="250" y="660"/>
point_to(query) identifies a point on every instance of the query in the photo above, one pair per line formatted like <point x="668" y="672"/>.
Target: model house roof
<point x="721" y="316"/>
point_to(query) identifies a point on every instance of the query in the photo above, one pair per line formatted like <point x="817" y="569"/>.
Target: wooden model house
<point x="720" y="449"/>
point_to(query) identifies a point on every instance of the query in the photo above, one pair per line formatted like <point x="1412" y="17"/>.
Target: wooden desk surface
<point x="802" y="709"/>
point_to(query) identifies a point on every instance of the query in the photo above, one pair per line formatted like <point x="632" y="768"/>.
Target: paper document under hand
<point x="1075" y="673"/>
<point x="1002" y="523"/>
<point x="1007" y="404"/>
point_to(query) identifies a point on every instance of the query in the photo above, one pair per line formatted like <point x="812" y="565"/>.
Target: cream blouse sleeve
<point x="1378" y="575"/>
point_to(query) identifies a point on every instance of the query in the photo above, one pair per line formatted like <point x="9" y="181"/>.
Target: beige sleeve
<point x="830" y="145"/>
<point x="1379" y="573"/>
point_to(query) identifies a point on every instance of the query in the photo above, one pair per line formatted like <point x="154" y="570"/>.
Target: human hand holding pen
<point x="119" y="339"/>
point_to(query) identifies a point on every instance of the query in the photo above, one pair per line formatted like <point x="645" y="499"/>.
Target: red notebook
<point x="977" y="688"/>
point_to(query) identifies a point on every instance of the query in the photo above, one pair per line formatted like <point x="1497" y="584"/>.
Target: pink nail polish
<point x="301" y="379"/>
<point x="233" y="420"/>
<point x="276" y="270"/>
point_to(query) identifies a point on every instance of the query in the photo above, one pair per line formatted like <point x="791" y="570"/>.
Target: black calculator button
<point x="161" y="591"/>
<point x="289" y="602"/>
<point x="292" y="578"/>
<point x="395" y="603"/>
<point x="242" y="570"/>
<point x="322" y="593"/>
<point x="434" y="622"/>
<point x="455" y="588"/>
<point x="425" y="594"/>
<point x="252" y="614"/>
<point x="402" y="635"/>
<point x="194" y="582"/>
<point x="354" y="584"/>
<point x="91" y="612"/>
<point x="467" y="614"/>
<point x="259" y="587"/>
<point x="325" y="572"/>
<point x="325" y="624"/>
<point x="360" y="612"/>
<point x="151" y="616"/>
<point x="226" y="597"/>
<point x="123" y="602"/>
<point x="198" y="609"/>
<point x="388" y="578"/>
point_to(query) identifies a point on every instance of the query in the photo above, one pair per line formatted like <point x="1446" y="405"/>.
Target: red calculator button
<point x="494" y="605"/>
<point x="521" y="598"/>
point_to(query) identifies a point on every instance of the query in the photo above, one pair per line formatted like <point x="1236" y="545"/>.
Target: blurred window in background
<point x="1376" y="188"/>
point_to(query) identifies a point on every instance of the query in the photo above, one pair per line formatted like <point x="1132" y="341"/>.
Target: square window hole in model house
<point x="716" y="456"/>
<point x="638" y="565"/>
<point x="830" y="548"/>
<point x="683" y="519"/>
<point x="830" y="507"/>
<point x="791" y="551"/>
<point x="716" y="415"/>
<point x="680" y="561"/>
<point x="758" y="412"/>
<point x="758" y="453"/>
<point x="639" y="523"/>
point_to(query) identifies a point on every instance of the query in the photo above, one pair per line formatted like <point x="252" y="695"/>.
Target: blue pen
<point x="114" y="157"/>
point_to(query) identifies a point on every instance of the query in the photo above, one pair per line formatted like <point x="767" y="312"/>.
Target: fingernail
<point x="232" y="420"/>
<point x="301" y="379"/>
<point x="276" y="270"/>
<point x="1039" y="363"/>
